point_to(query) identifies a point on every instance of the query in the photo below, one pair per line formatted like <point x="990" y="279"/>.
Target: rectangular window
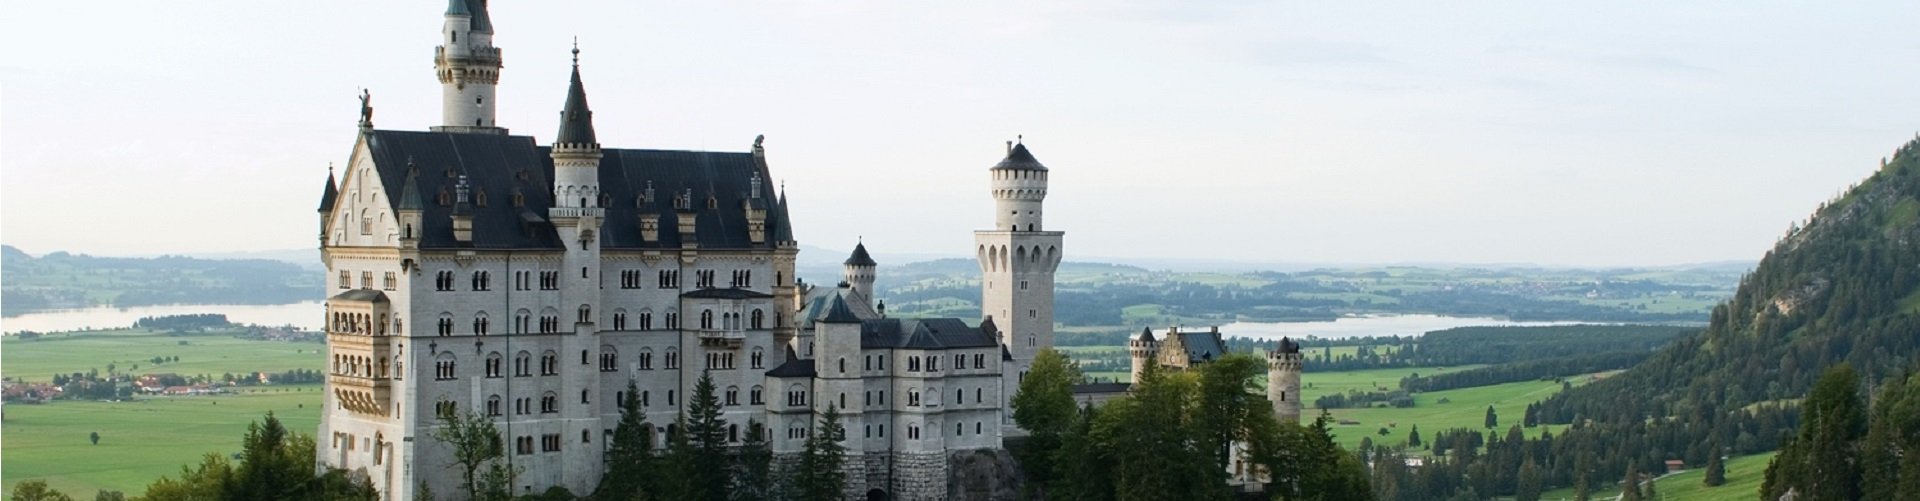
<point x="346" y="279"/>
<point x="389" y="282"/>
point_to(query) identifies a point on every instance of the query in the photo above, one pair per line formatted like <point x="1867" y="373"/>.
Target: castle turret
<point x="859" y="273"/>
<point x="1283" y="380"/>
<point x="468" y="66"/>
<point x="327" y="197"/>
<point x="1143" y="348"/>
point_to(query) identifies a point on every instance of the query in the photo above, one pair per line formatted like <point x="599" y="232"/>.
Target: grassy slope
<point x="1744" y="475"/>
<point x="212" y="354"/>
<point x="152" y="436"/>
<point x="1466" y="407"/>
<point x="140" y="440"/>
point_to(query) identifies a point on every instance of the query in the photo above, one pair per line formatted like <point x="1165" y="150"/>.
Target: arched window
<point x="446" y="324"/>
<point x="493" y="405"/>
<point x="733" y="395"/>
<point x="549" y="403"/>
<point x="673" y="358"/>
<point x="493" y="364"/>
<point x="646" y="359"/>
<point x="609" y="359"/>
<point x="706" y="319"/>
<point x="523" y="364"/>
<point x="754" y="396"/>
<point x="586" y="314"/>
<point x="549" y="363"/>
<point x="443" y="366"/>
<point x="480" y="324"/>
<point x="759" y="318"/>
<point x="620" y="319"/>
<point x="843" y="365"/>
<point x="759" y="357"/>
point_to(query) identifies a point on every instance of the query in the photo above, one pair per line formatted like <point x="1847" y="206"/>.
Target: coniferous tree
<point x="1084" y="472"/>
<point x="820" y="476"/>
<point x="1493" y="420"/>
<point x="1893" y="432"/>
<point x="1716" y="470"/>
<point x="1652" y="491"/>
<point x="1413" y="437"/>
<point x="753" y="467"/>
<point x="630" y="455"/>
<point x="1822" y="462"/>
<point x="701" y="459"/>
<point x="1630" y="487"/>
<point x="1529" y="484"/>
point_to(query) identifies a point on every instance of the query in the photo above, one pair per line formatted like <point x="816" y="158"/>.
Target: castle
<point x="474" y="271"/>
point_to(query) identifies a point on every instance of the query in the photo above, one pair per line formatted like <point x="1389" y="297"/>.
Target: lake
<point x="1365" y="325"/>
<point x="305" y="315"/>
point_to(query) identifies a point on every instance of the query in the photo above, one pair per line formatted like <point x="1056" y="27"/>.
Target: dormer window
<point x="445" y="198"/>
<point x="480" y="198"/>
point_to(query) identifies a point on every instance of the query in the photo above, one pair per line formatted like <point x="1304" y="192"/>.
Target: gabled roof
<point x="923" y="334"/>
<point x="860" y="256"/>
<point x="728" y="293"/>
<point x="1202" y="346"/>
<point x="819" y="299"/>
<point x="1019" y="159"/>
<point x="498" y="164"/>
<point x="836" y="313"/>
<point x="332" y="193"/>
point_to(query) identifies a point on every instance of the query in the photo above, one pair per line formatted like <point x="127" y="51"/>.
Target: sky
<point x="1625" y="133"/>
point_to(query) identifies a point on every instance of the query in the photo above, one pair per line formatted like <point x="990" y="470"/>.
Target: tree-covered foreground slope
<point x="1842" y="288"/>
<point x="1839" y="289"/>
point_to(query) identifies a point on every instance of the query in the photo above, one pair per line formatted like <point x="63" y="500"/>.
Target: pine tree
<point x="1630" y="487"/>
<point x="630" y="455"/>
<point x="1821" y="463"/>
<point x="265" y="471"/>
<point x="1529" y="483"/>
<point x="1413" y="437"/>
<point x="753" y="465"/>
<point x="1716" y="469"/>
<point x="702" y="458"/>
<point x="821" y="477"/>
<point x="1493" y="420"/>
<point x="1653" y="492"/>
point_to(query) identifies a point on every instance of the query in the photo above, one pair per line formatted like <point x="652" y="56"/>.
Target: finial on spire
<point x="1020" y="138"/>
<point x="576" y="52"/>
<point x="329" y="169"/>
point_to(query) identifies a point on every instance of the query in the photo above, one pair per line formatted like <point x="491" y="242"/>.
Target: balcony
<point x="721" y="338"/>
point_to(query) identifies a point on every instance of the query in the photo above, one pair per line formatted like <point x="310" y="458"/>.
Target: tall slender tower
<point x="576" y="215"/>
<point x="1017" y="261"/>
<point x="469" y="67"/>
<point x="1283" y="380"/>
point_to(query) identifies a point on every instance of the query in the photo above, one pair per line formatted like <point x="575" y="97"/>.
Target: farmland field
<point x="140" y="440"/>
<point x="145" y="438"/>
<point x="1744" y="476"/>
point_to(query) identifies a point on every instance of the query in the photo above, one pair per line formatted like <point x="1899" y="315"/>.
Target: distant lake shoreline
<point x="1374" y="326"/>
<point x="305" y="315"/>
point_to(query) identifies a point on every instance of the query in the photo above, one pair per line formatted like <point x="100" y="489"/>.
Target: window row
<point x="388" y="281"/>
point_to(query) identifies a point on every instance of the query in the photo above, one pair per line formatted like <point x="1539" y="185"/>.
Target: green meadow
<point x="130" y="351"/>
<point x="140" y="440"/>
<point x="1744" y="476"/>
<point x="148" y="437"/>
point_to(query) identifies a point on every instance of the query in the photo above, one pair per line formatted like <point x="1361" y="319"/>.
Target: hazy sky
<point x="1601" y="134"/>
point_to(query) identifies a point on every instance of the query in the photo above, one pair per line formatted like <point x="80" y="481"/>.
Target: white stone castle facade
<point x="472" y="270"/>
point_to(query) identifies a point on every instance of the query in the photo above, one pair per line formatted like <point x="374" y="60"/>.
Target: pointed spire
<point x="837" y="312"/>
<point x="1146" y="334"/>
<point x="332" y="193"/>
<point x="860" y="256"/>
<point x="477" y="9"/>
<point x="458" y="8"/>
<point x="576" y="120"/>
<point x="410" y="192"/>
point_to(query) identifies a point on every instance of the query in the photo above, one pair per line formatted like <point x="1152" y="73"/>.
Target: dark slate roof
<point x="1086" y="388"/>
<point x="729" y="293"/>
<point x="1288" y="346"/>
<point x="820" y="298"/>
<point x="1019" y="159"/>
<point x="1146" y="334"/>
<point x="498" y="165"/>
<point x="922" y="334"/>
<point x="1202" y="346"/>
<point x="783" y="228"/>
<point x="332" y="193"/>
<point x="576" y="119"/>
<point x="476" y="8"/>
<point x="795" y="367"/>
<point x="836" y="313"/>
<point x="1006" y="354"/>
<point x="362" y="295"/>
<point x="860" y="256"/>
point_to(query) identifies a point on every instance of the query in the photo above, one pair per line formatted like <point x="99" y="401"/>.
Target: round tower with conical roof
<point x="859" y="273"/>
<point x="468" y="66"/>
<point x="1283" y="380"/>
<point x="1144" y="348"/>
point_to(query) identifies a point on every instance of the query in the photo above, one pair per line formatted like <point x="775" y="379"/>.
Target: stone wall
<point x="983" y="475"/>
<point x="919" y="476"/>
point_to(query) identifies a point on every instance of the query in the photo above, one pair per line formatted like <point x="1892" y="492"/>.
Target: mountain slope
<point x="1844" y="287"/>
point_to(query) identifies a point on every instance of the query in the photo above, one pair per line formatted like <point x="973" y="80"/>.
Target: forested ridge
<point x="1840" y="288"/>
